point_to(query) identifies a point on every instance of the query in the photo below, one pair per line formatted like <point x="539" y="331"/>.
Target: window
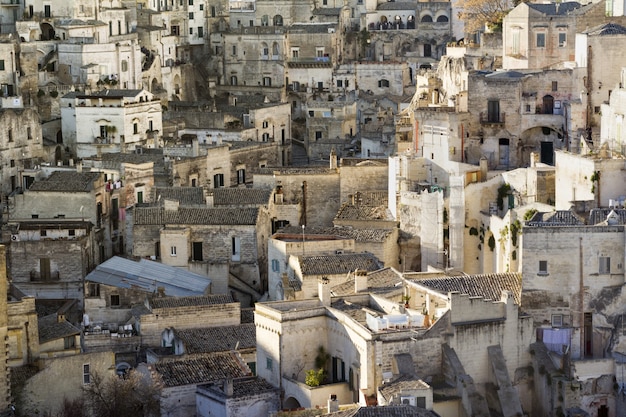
<point x="71" y="232"/>
<point x="543" y="268"/>
<point x="115" y="300"/>
<point x="268" y="364"/>
<point x="311" y="113"/>
<point x="562" y="40"/>
<point x="295" y="53"/>
<point x="493" y="111"/>
<point x="236" y="248"/>
<point x="29" y="133"/>
<point x="319" y="52"/>
<point x="190" y="15"/>
<point x="421" y="402"/>
<point x="200" y="32"/>
<point x="266" y="124"/>
<point x="557" y="320"/>
<point x="47" y="11"/>
<point x="175" y="30"/>
<point x="541" y="40"/>
<point x="555" y="85"/>
<point x="197" y="251"/>
<point x="213" y="11"/>
<point x="1" y="64"/>
<point x="604" y="265"/>
<point x="515" y="41"/>
<point x="383" y="83"/>
<point x="201" y="7"/>
<point x="191" y="31"/>
<point x="265" y="137"/>
<point x="191" y="2"/>
<point x="86" y="374"/>
<point x="12" y="163"/>
<point x="267" y="81"/>
<point x="69" y="342"/>
<point x="124" y="65"/>
<point x="172" y="250"/>
<point x="233" y="80"/>
<point x="139" y="197"/>
<point x="234" y="49"/>
<point x="241" y="176"/>
<point x="93" y="289"/>
<point x="318" y="135"/>
<point x="218" y="180"/>
<point x="10" y="134"/>
<point x="275" y="265"/>
<point x="135" y="128"/>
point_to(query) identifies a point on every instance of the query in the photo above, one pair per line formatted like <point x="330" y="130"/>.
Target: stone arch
<point x="442" y="18"/>
<point x="177" y="84"/>
<point x="542" y="140"/>
<point x="410" y="23"/>
<point x="547" y="106"/>
<point x="427" y="19"/>
<point x="154" y="85"/>
<point x="60" y="137"/>
<point x="278" y="20"/>
<point x="291" y="404"/>
<point x="47" y="32"/>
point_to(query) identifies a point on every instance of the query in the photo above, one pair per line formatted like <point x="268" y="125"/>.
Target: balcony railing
<point x="492" y="118"/>
<point x="37" y="276"/>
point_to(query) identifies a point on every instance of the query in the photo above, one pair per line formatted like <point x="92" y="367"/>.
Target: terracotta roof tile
<point x="489" y="286"/>
<point x="205" y="300"/>
<point x="67" y="181"/>
<point x="383" y="281"/>
<point x="50" y="328"/>
<point x="201" y="369"/>
<point x="201" y="216"/>
<point x="218" y="339"/>
<point x="338" y="264"/>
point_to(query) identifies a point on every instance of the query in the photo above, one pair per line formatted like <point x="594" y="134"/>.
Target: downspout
<point x="581" y="298"/>
<point x="303" y="215"/>
<point x="462" y="142"/>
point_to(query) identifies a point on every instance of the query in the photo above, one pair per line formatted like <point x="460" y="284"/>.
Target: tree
<point x="478" y="13"/>
<point x="131" y="396"/>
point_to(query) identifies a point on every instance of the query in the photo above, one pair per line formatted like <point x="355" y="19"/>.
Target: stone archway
<point x="291" y="404"/>
<point x="542" y="140"/>
<point x="47" y="32"/>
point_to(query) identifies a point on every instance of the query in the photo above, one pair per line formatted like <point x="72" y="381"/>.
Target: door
<point x="588" y="335"/>
<point x="503" y="152"/>
<point x="548" y="104"/>
<point x="547" y="153"/>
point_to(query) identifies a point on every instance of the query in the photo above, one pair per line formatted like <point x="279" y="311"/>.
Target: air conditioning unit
<point x="15" y="238"/>
<point x="408" y="401"/>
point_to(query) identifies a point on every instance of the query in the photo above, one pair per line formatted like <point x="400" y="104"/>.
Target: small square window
<point x="71" y="232"/>
<point x="318" y="135"/>
<point x="43" y="232"/>
<point x="268" y="364"/>
<point x="555" y="85"/>
<point x="562" y="40"/>
<point x="172" y="250"/>
<point x="115" y="300"/>
<point x="604" y="265"/>
<point x="543" y="268"/>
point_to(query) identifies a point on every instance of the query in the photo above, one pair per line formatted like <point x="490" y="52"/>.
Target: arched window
<point x="265" y="50"/>
<point x="278" y="20"/>
<point x="275" y="51"/>
<point x="410" y="24"/>
<point x="233" y="80"/>
<point x="427" y="19"/>
<point x="442" y="18"/>
<point x="265" y="20"/>
<point x="383" y="83"/>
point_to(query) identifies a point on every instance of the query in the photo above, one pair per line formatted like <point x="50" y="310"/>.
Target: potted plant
<point x="406" y="298"/>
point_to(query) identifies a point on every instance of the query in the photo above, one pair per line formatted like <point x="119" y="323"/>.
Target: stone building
<point x="242" y="396"/>
<point x="58" y="337"/>
<point x="612" y="133"/>
<point x="110" y="121"/>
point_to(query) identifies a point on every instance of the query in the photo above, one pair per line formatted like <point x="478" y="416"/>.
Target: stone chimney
<point x="228" y="387"/>
<point x="333" y="159"/>
<point x="360" y="281"/>
<point x="208" y="196"/>
<point x="170" y="205"/>
<point x="484" y="168"/>
<point x="79" y="167"/>
<point x="333" y="404"/>
<point x="323" y="290"/>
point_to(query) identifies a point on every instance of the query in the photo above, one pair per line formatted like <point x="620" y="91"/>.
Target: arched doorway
<point x="291" y="404"/>
<point x="154" y="85"/>
<point x="503" y="152"/>
<point x="59" y="137"/>
<point x="177" y="85"/>
<point x="58" y="155"/>
<point x="47" y="32"/>
<point x="548" y="104"/>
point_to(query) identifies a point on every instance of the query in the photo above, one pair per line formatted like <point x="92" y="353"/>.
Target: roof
<point x="606" y="29"/>
<point x="187" y="196"/>
<point x="188" y="216"/>
<point x="201" y="369"/>
<point x="148" y="276"/>
<point x="349" y="211"/>
<point x="555" y="9"/>
<point x="50" y="328"/>
<point x="67" y="181"/>
<point x="240" y="196"/>
<point x="556" y="218"/>
<point x="488" y="286"/>
<point x="218" y="339"/>
<point x="394" y="5"/>
<point x="505" y="75"/>
<point x="338" y="264"/>
<point x="359" y="235"/>
<point x="379" y="282"/>
<point x="400" y="384"/>
<point x="192" y="301"/>
<point x="113" y="93"/>
<point x="243" y="387"/>
<point x="386" y="411"/>
<point x="600" y="216"/>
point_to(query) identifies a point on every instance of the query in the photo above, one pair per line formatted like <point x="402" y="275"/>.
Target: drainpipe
<point x="581" y="298"/>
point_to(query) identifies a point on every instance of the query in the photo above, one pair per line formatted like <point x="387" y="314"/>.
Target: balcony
<point x="37" y="276"/>
<point x="492" y="118"/>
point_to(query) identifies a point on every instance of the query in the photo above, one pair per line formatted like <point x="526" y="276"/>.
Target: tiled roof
<point x="354" y="310"/>
<point x="556" y="218"/>
<point x="218" y="339"/>
<point x="110" y="160"/>
<point x="402" y="383"/>
<point x="555" y="9"/>
<point x="327" y="11"/>
<point x="243" y="387"/>
<point x="240" y="196"/>
<point x="186" y="196"/>
<point x="50" y="328"/>
<point x="201" y="369"/>
<point x="489" y="286"/>
<point x="67" y="181"/>
<point x="606" y="29"/>
<point x="338" y="264"/>
<point x="360" y="212"/>
<point x="297" y="171"/>
<point x="247" y="315"/>
<point x="385" y="411"/>
<point x="205" y="300"/>
<point x="371" y="198"/>
<point x="394" y="5"/>
<point x="114" y="93"/>
<point x="382" y="281"/>
<point x="187" y="216"/>
<point x="359" y="235"/>
<point x="599" y="216"/>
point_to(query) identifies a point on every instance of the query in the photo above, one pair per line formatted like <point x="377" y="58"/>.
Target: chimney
<point x="333" y="404"/>
<point x="484" y="167"/>
<point x="79" y="166"/>
<point x="209" y="199"/>
<point x="194" y="146"/>
<point x="333" y="159"/>
<point x="323" y="290"/>
<point x="228" y="387"/>
<point x="360" y="281"/>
